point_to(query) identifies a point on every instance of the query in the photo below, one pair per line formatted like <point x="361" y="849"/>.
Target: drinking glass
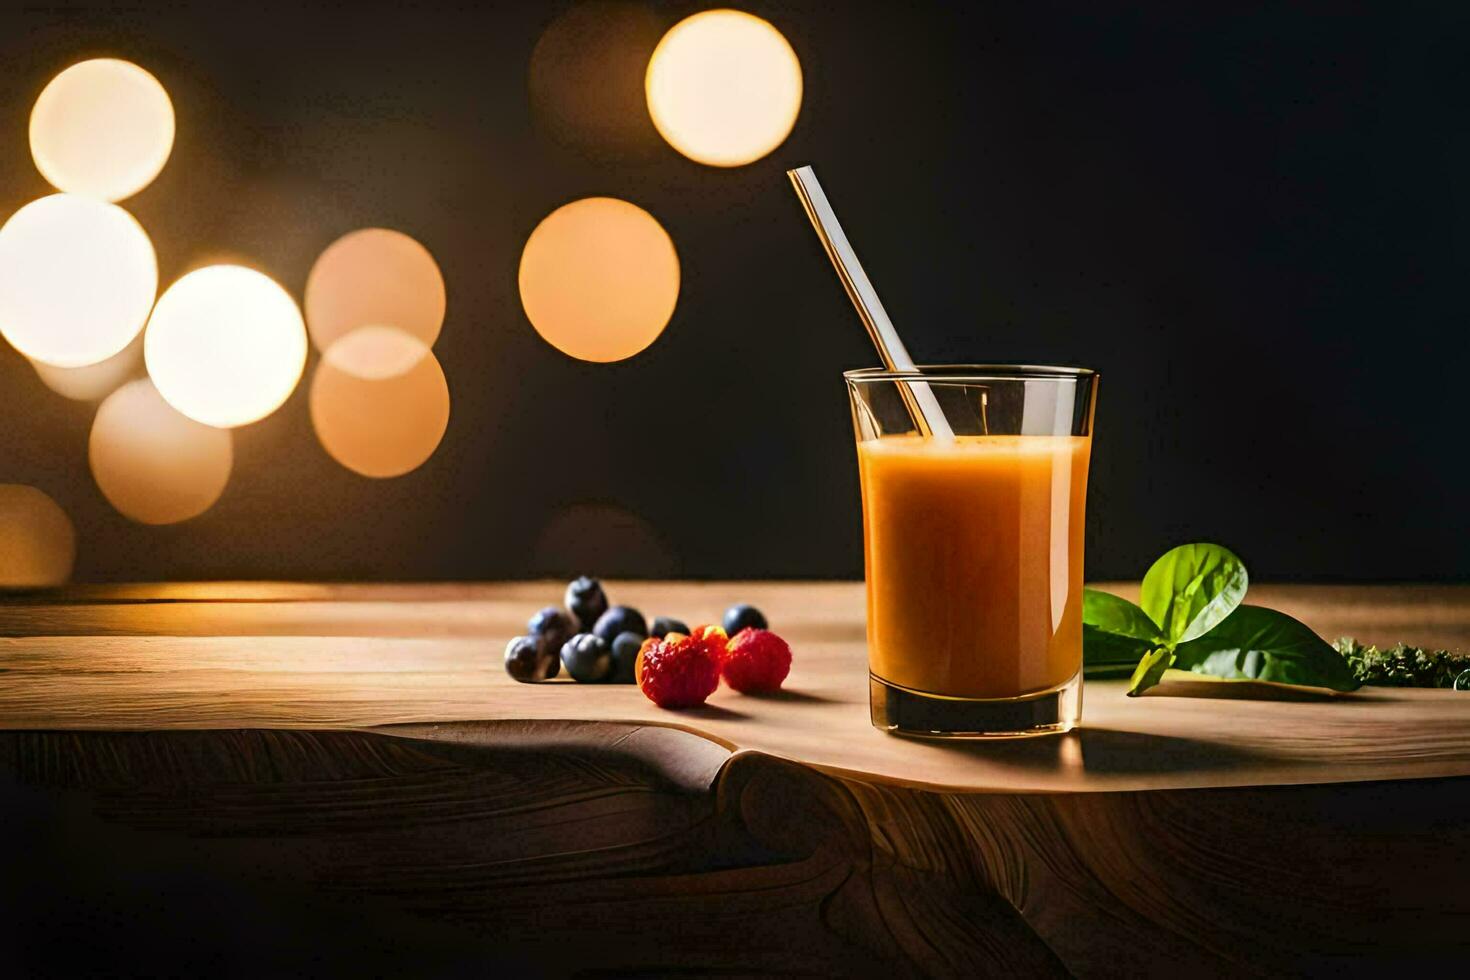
<point x="972" y="542"/>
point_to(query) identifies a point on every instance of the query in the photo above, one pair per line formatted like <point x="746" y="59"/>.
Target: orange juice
<point x="973" y="550"/>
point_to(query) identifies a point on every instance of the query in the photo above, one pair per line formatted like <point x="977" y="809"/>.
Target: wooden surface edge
<point x="693" y="759"/>
<point x="688" y="756"/>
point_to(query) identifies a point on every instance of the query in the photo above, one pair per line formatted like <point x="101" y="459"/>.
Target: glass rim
<point x="968" y="373"/>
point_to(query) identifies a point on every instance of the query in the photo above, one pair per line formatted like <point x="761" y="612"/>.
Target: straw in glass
<point x="918" y="397"/>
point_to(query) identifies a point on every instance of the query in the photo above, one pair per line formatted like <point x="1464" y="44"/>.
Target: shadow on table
<point x="713" y="712"/>
<point x="791" y="696"/>
<point x="1104" y="750"/>
<point x="1241" y="691"/>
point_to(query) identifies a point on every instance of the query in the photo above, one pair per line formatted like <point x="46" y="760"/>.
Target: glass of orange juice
<point x="972" y="542"/>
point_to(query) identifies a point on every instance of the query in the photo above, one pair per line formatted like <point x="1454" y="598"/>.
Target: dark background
<point x="1250" y="220"/>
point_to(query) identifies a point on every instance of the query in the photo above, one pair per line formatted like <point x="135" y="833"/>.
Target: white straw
<point x="923" y="406"/>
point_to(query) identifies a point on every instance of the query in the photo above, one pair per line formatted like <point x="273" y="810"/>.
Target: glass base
<point x="905" y="712"/>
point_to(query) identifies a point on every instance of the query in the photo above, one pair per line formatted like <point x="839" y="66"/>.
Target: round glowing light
<point x="586" y="78"/>
<point x="374" y="276"/>
<point x="602" y="535"/>
<point x="379" y="424"/>
<point x="153" y="464"/>
<point x="723" y="87"/>
<point x="599" y="279"/>
<point x="77" y="278"/>
<point x="374" y="353"/>
<point x="93" y="381"/>
<point x="102" y="128"/>
<point x="225" y="345"/>
<point x="40" y="542"/>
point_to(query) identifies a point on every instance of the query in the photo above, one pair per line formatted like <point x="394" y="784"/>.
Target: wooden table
<point x="283" y="777"/>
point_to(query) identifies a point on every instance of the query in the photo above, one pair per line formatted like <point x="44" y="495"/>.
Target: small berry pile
<point x="674" y="666"/>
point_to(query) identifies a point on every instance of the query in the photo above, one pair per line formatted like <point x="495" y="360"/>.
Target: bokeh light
<point x="225" y="345"/>
<point x="724" y="87"/>
<point x="374" y="353"/>
<point x="602" y="535"/>
<point x="103" y="128"/>
<point x="599" y="279"/>
<point x="153" y="464"/>
<point x="374" y="277"/>
<point x="93" y="381"/>
<point x="376" y="423"/>
<point x="40" y="544"/>
<point x="586" y="78"/>
<point x="77" y="279"/>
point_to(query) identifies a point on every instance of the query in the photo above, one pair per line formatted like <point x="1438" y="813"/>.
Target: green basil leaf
<point x="1114" y="614"/>
<point x="1115" y="635"/>
<point x="1107" y="654"/>
<point x="1191" y="588"/>
<point x="1149" y="670"/>
<point x="1258" y="644"/>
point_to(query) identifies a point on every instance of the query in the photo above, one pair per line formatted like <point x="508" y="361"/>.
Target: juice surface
<point x="974" y="561"/>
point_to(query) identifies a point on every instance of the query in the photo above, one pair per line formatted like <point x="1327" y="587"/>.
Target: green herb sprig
<point x="1190" y="618"/>
<point x="1405" y="666"/>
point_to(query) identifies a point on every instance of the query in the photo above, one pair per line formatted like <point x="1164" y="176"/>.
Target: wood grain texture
<point x="562" y="848"/>
<point x="289" y="656"/>
<point x="568" y="851"/>
<point x="339" y="780"/>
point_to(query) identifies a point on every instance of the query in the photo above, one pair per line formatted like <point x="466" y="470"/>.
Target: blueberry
<point x="554" y="625"/>
<point x="664" y="625"/>
<point x="586" y="601"/>
<point x="624" y="655"/>
<point x="528" y="659"/>
<point x="739" y="617"/>
<point x="586" y="658"/>
<point x="620" y="619"/>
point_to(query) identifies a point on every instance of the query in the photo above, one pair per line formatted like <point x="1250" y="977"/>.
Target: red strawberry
<point x="679" y="673"/>
<point x="714" y="639"/>
<point x="756" y="661"/>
